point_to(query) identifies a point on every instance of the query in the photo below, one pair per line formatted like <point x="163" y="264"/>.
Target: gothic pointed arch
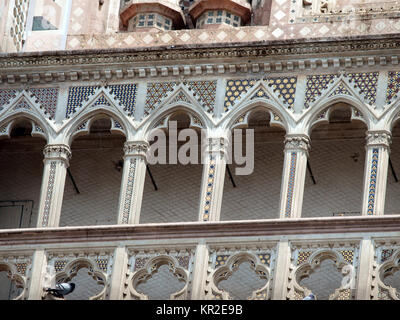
<point x="24" y="106"/>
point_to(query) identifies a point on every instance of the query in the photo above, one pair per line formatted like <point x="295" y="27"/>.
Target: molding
<point x="196" y="230"/>
<point x="276" y="56"/>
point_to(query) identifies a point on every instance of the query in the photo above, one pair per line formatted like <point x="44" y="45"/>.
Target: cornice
<point x="268" y="56"/>
<point x="196" y="230"/>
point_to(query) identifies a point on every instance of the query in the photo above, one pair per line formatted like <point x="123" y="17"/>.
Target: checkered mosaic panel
<point x="126" y="94"/>
<point x="393" y="86"/>
<point x="47" y="98"/>
<point x="366" y="83"/>
<point x="235" y="89"/>
<point x="156" y="92"/>
<point x="77" y="96"/>
<point x="205" y="92"/>
<point x="285" y="88"/>
<point x="316" y="84"/>
<point x="6" y="95"/>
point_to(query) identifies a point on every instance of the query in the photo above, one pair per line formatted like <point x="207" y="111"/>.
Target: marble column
<point x="376" y="172"/>
<point x="294" y="172"/>
<point x="132" y="185"/>
<point x="56" y="162"/>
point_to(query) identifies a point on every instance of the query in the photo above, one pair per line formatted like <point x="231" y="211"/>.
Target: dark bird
<point x="310" y="297"/>
<point x="61" y="289"/>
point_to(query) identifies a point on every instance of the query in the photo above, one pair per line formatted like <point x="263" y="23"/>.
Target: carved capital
<point x="217" y="145"/>
<point x="297" y="142"/>
<point x="379" y="139"/>
<point x="136" y="148"/>
<point x="57" y="152"/>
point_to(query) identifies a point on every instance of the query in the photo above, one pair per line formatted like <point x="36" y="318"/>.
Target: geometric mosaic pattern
<point x="102" y="264"/>
<point x="303" y="256"/>
<point x="386" y="254"/>
<point x="260" y="94"/>
<point x="290" y="190"/>
<point x="221" y="260"/>
<point x="366" y="83"/>
<point x="372" y="181"/>
<point x="285" y="87"/>
<point x="205" y="91"/>
<point x="340" y="89"/>
<point x="47" y="98"/>
<point x="59" y="265"/>
<point x="22" y="104"/>
<point x="315" y="85"/>
<point x="234" y="90"/>
<point x="126" y="93"/>
<point x="18" y="29"/>
<point x="77" y="95"/>
<point x="21" y="268"/>
<point x="101" y="101"/>
<point x="210" y="187"/>
<point x="6" y="95"/>
<point x="348" y="255"/>
<point x="393" y="86"/>
<point x="180" y="97"/>
<point x="155" y="93"/>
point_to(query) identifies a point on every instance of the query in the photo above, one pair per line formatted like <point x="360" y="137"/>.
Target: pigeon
<point x="310" y="297"/>
<point x="61" y="289"/>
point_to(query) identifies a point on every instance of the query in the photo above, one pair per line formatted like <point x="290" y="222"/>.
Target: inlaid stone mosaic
<point x="366" y="83"/>
<point x="205" y="92"/>
<point x="126" y="94"/>
<point x="156" y="92"/>
<point x="235" y="89"/>
<point x="285" y="87"/>
<point x="6" y="95"/>
<point x="316" y="84"/>
<point x="393" y="86"/>
<point x="47" y="98"/>
<point x="76" y="97"/>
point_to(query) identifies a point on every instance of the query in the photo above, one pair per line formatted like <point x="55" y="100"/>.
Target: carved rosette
<point x="136" y="149"/>
<point x="57" y="152"/>
<point x="379" y="139"/>
<point x="297" y="143"/>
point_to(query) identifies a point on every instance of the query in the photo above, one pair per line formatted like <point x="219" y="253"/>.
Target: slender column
<point x="365" y="266"/>
<point x="119" y="270"/>
<point x="37" y="275"/>
<point x="133" y="177"/>
<point x="200" y="272"/>
<point x="214" y="167"/>
<point x="282" y="270"/>
<point x="56" y="162"/>
<point x="293" y="178"/>
<point x="375" y="172"/>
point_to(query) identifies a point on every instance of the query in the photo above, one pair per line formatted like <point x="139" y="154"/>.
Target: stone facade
<point x="81" y="202"/>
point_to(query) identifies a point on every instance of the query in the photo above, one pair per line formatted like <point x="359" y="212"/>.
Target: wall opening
<point x="256" y="196"/>
<point x="171" y="191"/>
<point x="392" y="200"/>
<point x="21" y="170"/>
<point x="335" y="173"/>
<point x="93" y="183"/>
